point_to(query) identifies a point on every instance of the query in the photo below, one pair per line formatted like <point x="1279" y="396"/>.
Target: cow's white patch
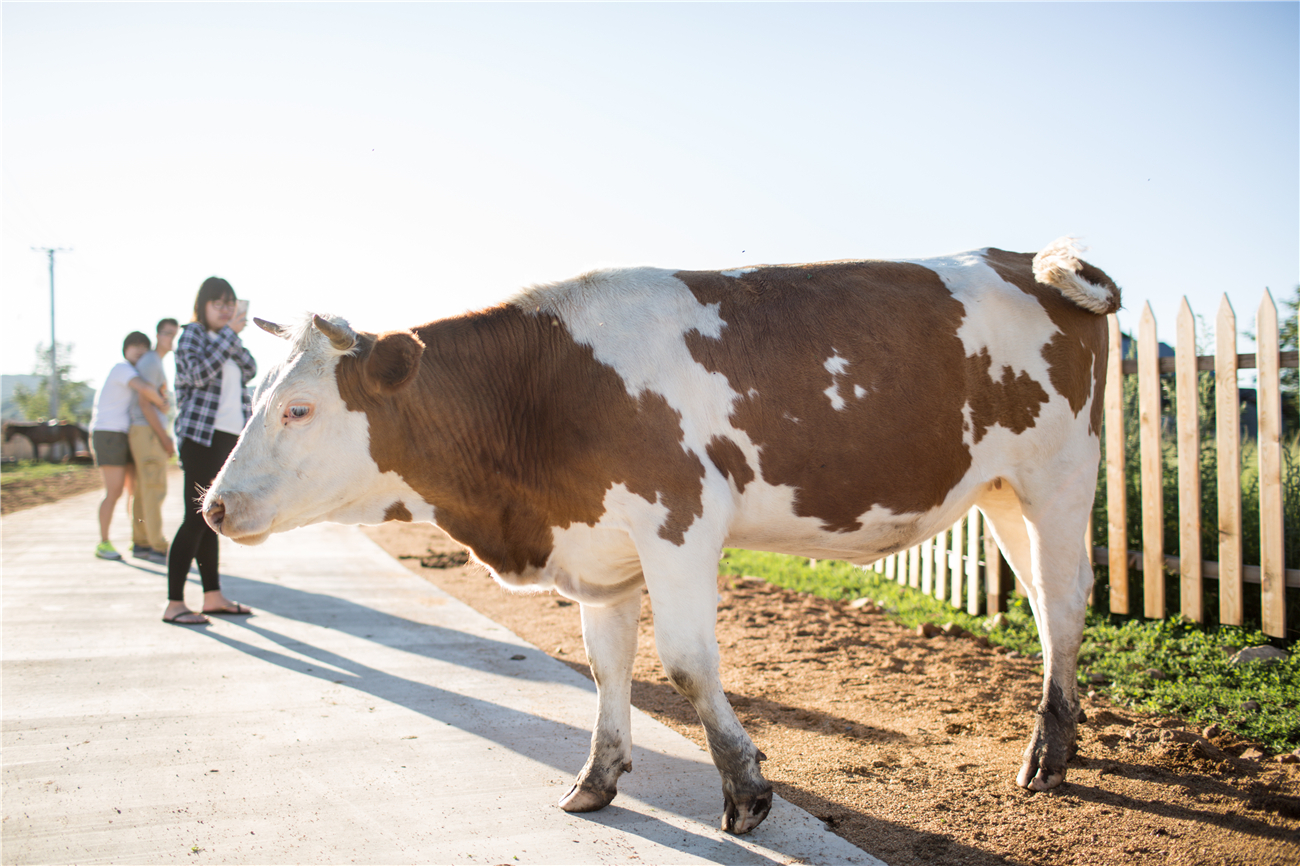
<point x="994" y="310"/>
<point x="859" y="391"/>
<point x="738" y="272"/>
<point x="835" y="365"/>
<point x="636" y="321"/>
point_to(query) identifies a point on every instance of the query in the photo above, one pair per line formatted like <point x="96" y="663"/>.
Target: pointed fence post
<point x="1272" y="553"/>
<point x="1189" y="467"/>
<point x="1153" y="490"/>
<point x="1116" y="483"/>
<point x="1228" y="439"/>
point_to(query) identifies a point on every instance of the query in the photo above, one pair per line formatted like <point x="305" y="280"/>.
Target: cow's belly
<point x="766" y="520"/>
<point x="595" y="565"/>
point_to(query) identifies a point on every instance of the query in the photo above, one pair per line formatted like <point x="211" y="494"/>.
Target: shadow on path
<point x="525" y="734"/>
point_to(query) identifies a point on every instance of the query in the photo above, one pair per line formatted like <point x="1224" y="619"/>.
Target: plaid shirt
<point x="198" y="379"/>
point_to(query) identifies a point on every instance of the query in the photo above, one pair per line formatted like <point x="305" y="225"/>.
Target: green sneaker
<point x="106" y="550"/>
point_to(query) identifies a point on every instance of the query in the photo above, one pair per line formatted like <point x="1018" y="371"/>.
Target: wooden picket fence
<point x="961" y="564"/>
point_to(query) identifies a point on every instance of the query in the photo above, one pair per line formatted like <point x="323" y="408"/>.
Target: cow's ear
<point x="393" y="361"/>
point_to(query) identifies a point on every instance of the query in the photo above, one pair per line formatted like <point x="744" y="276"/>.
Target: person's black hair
<point x="135" y="338"/>
<point x="213" y="289"/>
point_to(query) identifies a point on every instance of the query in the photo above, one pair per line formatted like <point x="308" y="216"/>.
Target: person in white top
<point x="110" y="423"/>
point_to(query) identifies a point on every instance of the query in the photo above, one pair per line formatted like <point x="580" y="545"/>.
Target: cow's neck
<point x="462" y="433"/>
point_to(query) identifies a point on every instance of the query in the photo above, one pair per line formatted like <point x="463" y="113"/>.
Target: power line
<point x="54" y="347"/>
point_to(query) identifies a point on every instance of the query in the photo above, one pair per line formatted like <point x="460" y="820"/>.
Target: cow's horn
<point x="340" y="338"/>
<point x="271" y="327"/>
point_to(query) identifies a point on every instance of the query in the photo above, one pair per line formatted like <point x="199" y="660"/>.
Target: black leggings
<point x="195" y="541"/>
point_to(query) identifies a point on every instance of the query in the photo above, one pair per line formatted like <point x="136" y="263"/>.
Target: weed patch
<point x="1170" y="667"/>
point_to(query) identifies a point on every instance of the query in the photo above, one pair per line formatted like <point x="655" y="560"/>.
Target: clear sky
<point x="397" y="163"/>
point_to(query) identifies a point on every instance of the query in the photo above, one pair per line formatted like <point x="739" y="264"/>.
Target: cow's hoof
<point x="1034" y="777"/>
<point x="580" y="799"/>
<point x="740" y="818"/>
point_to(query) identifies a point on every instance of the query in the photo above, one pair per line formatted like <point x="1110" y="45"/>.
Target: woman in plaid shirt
<point x="212" y="407"/>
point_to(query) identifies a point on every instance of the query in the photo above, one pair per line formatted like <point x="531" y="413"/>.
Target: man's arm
<point x="154" y="417"/>
<point x="147" y="392"/>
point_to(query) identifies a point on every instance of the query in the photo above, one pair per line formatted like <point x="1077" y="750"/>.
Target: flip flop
<point x="237" y="610"/>
<point x="176" y="620"/>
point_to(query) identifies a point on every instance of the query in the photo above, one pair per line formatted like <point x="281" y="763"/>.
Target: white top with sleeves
<point x="113" y="402"/>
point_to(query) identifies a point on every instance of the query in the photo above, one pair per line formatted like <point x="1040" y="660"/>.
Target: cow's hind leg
<point x="609" y="633"/>
<point x="685" y="611"/>
<point x="1043" y="541"/>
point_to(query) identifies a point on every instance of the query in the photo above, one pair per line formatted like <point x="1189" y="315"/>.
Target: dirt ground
<point x="17" y="494"/>
<point x="908" y="746"/>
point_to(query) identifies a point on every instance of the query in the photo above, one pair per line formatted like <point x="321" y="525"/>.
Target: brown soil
<point x="17" y="494"/>
<point x="908" y="746"/>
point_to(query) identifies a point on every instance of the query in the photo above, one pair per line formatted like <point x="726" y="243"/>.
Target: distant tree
<point x="74" y="396"/>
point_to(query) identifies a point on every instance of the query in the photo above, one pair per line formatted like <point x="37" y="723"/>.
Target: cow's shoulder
<point x="514" y="426"/>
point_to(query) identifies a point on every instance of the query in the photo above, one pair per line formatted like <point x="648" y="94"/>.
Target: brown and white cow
<point x="616" y="431"/>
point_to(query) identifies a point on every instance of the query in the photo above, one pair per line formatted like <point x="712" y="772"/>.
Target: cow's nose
<point x="215" y="514"/>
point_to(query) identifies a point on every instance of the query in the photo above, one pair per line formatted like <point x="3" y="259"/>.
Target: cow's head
<point x="304" y="457"/>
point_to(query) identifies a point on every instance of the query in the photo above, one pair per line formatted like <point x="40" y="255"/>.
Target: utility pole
<point x="54" y="347"/>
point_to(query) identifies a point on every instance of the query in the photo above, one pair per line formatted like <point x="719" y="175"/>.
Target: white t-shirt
<point x="230" y="408"/>
<point x="113" y="402"/>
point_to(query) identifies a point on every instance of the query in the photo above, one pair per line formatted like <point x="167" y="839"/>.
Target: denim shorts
<point x="110" y="448"/>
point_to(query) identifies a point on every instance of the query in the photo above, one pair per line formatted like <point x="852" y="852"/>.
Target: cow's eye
<point x="297" y="411"/>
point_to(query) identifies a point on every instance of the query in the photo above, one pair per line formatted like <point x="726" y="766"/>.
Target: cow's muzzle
<point x="238" y="516"/>
<point x="214" y="512"/>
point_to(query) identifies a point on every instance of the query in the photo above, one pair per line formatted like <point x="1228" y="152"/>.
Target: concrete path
<point x="361" y="716"/>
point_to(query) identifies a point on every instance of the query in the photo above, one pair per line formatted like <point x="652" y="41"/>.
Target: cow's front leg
<point x="609" y="634"/>
<point x="685" y="611"/>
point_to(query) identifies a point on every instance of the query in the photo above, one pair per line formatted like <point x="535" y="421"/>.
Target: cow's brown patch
<point x="897" y="440"/>
<point x="397" y="511"/>
<point x="1011" y="401"/>
<point x="1076" y="355"/>
<point x="730" y="460"/>
<point x="510" y="427"/>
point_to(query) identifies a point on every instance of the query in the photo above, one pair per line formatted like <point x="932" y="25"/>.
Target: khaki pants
<point x="150" y="488"/>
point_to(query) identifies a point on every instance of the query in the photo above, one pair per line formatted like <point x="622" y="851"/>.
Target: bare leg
<point x="609" y="634"/>
<point x="128" y="488"/>
<point x="114" y="478"/>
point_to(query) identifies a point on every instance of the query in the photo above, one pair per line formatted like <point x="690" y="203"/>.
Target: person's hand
<point x="239" y="320"/>
<point x="168" y="445"/>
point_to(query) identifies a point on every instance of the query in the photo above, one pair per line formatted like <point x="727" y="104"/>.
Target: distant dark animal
<point x="45" y="433"/>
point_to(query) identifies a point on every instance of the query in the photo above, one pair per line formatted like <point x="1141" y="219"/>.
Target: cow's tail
<point x="1059" y="265"/>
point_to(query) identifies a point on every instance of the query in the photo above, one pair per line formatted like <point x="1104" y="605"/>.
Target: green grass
<point x="34" y="470"/>
<point x="1200" y="686"/>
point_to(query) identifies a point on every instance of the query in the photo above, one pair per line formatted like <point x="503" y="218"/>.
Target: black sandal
<point x="176" y="620"/>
